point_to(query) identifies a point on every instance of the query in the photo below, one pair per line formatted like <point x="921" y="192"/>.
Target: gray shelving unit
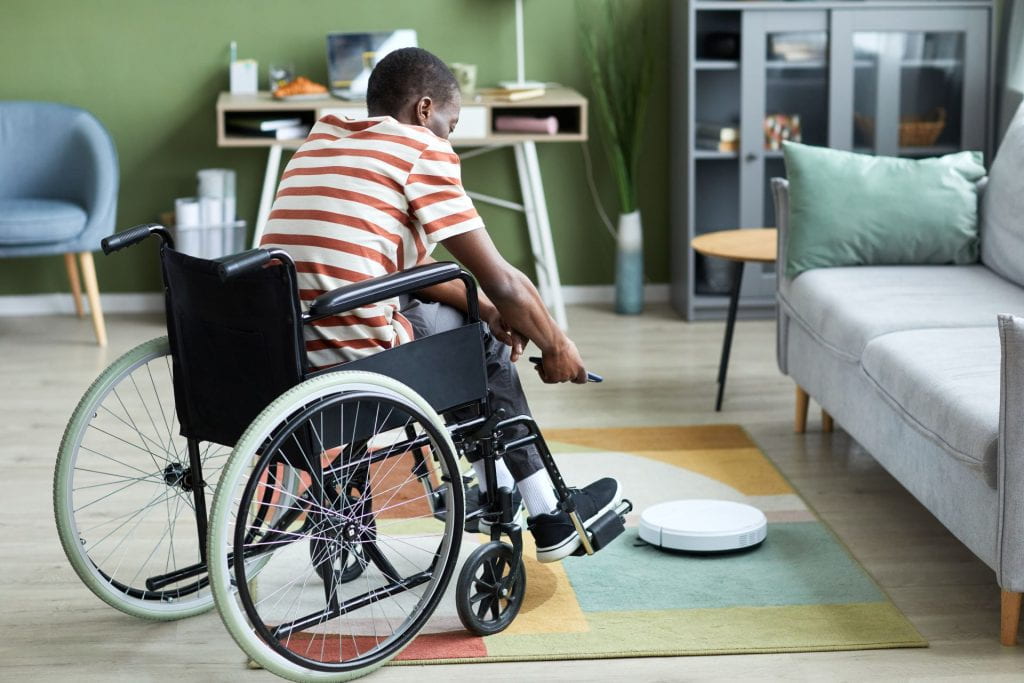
<point x="852" y="71"/>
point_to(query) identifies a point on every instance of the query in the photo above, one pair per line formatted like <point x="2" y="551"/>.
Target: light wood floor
<point x="659" y="371"/>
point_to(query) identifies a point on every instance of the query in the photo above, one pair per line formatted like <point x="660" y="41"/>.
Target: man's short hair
<point x="405" y="75"/>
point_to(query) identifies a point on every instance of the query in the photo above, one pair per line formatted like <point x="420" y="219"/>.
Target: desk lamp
<point x="520" y="83"/>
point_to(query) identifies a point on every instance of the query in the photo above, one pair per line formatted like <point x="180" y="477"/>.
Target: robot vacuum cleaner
<point x="703" y="526"/>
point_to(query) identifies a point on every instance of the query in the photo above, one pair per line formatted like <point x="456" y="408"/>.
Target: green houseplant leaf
<point x="616" y="47"/>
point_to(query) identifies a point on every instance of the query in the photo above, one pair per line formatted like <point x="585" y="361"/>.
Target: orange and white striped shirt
<point x="358" y="200"/>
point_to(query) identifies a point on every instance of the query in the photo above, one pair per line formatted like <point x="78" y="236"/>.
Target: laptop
<point x="352" y="56"/>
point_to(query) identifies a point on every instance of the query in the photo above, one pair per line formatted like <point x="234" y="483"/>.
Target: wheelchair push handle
<point x="591" y="376"/>
<point x="244" y="262"/>
<point x="134" y="235"/>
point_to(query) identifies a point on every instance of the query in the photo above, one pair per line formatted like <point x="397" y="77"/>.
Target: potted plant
<point x="619" y="61"/>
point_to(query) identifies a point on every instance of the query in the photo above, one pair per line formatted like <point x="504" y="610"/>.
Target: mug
<point x="465" y="74"/>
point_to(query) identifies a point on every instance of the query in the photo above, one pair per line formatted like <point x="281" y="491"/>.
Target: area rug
<point x="799" y="591"/>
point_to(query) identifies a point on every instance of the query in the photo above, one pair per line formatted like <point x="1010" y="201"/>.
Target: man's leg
<point x="428" y="318"/>
<point x="554" y="533"/>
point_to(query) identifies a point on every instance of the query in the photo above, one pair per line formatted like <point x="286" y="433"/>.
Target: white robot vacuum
<point x="703" y="526"/>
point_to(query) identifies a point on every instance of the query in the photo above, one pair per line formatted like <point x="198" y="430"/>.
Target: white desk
<point x="475" y="130"/>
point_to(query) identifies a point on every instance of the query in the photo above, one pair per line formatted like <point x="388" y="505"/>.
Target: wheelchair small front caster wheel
<point x="489" y="593"/>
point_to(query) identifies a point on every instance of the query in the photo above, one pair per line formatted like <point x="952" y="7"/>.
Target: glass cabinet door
<point x="907" y="81"/>
<point x="784" y="68"/>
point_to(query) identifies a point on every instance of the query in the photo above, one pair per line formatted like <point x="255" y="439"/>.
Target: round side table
<point x="757" y="245"/>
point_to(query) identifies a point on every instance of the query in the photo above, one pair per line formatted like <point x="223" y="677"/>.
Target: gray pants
<point x="428" y="317"/>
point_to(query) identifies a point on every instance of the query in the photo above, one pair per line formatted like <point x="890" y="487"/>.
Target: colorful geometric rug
<point x="799" y="591"/>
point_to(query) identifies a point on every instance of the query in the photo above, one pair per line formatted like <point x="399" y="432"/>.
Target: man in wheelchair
<point x="337" y="510"/>
<point x="366" y="198"/>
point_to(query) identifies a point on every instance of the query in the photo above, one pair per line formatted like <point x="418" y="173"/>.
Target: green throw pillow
<point x="849" y="209"/>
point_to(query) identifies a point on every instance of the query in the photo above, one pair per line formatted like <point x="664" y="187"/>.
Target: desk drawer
<point x="473" y="124"/>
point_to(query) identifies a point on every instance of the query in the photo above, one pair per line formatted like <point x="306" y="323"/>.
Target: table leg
<point x="547" y="244"/>
<point x="730" y="323"/>
<point x="530" y="213"/>
<point x="539" y="228"/>
<point x="267" y="194"/>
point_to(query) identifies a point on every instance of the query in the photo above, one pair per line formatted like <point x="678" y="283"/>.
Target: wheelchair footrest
<point x="607" y="527"/>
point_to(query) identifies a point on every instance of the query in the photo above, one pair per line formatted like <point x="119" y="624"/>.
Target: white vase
<point x="629" y="265"/>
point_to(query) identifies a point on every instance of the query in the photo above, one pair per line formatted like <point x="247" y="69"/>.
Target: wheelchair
<point x="321" y="512"/>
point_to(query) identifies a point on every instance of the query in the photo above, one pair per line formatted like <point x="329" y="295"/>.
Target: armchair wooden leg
<point x="92" y="290"/>
<point x="76" y="286"/>
<point x="800" y="422"/>
<point x="1010" y="620"/>
<point x="826" y="421"/>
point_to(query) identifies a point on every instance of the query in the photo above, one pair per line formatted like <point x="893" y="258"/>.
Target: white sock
<point x="505" y="478"/>
<point x="538" y="493"/>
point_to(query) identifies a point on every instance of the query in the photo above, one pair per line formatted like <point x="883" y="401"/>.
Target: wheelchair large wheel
<point x="368" y="451"/>
<point x="122" y="493"/>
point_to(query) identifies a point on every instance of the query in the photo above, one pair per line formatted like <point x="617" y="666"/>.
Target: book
<point x="281" y="133"/>
<point x="262" y="123"/>
<point x="718" y="145"/>
<point x="513" y="94"/>
<point x="720" y="132"/>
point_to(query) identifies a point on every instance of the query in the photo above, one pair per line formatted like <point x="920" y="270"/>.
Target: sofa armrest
<point x="780" y="195"/>
<point x="1010" y="457"/>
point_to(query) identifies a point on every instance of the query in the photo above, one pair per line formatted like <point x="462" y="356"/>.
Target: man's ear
<point x="424" y="110"/>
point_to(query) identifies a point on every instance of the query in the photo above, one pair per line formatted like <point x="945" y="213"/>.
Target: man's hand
<point x="563" y="365"/>
<point x="504" y="333"/>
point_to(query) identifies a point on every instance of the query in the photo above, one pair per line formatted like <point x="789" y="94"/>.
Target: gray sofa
<point x="924" y="367"/>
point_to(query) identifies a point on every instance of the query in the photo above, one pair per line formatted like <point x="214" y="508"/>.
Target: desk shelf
<point x="476" y="127"/>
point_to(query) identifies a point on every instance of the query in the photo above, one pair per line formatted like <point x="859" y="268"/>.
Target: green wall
<point x="151" y="71"/>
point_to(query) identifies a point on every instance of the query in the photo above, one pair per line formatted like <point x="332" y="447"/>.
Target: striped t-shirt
<point x="361" y="199"/>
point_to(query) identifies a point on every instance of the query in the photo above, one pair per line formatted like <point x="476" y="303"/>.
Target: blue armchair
<point x="58" y="190"/>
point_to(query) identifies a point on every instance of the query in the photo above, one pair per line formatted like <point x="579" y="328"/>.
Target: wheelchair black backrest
<point x="237" y="345"/>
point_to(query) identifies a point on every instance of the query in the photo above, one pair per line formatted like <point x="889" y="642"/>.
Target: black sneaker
<point x="555" y="534"/>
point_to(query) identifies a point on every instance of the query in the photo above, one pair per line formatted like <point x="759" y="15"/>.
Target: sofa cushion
<point x="39" y="221"/>
<point x="946" y="383"/>
<point x="1002" y="206"/>
<point x="848" y="209"/>
<point x="848" y="307"/>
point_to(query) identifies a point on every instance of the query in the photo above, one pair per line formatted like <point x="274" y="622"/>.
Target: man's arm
<point x="453" y="293"/>
<point x="519" y="304"/>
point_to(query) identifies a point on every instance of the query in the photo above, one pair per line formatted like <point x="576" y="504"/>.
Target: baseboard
<point x="605" y="294"/>
<point x="59" y="303"/>
<point x="153" y="302"/>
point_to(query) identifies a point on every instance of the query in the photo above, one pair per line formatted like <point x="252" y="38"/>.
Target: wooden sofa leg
<point x="826" y="421"/>
<point x="1010" y="620"/>
<point x="76" y="285"/>
<point x="92" y="290"/>
<point x="800" y="422"/>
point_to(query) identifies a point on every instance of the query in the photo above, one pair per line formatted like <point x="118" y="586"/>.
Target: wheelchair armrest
<point x="359" y="294"/>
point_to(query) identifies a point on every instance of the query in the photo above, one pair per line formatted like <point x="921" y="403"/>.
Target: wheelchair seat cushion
<point x="39" y="221"/>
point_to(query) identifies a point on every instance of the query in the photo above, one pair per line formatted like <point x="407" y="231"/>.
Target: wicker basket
<point x="915" y="131"/>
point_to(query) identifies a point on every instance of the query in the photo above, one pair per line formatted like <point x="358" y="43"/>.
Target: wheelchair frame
<point x="410" y="384"/>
